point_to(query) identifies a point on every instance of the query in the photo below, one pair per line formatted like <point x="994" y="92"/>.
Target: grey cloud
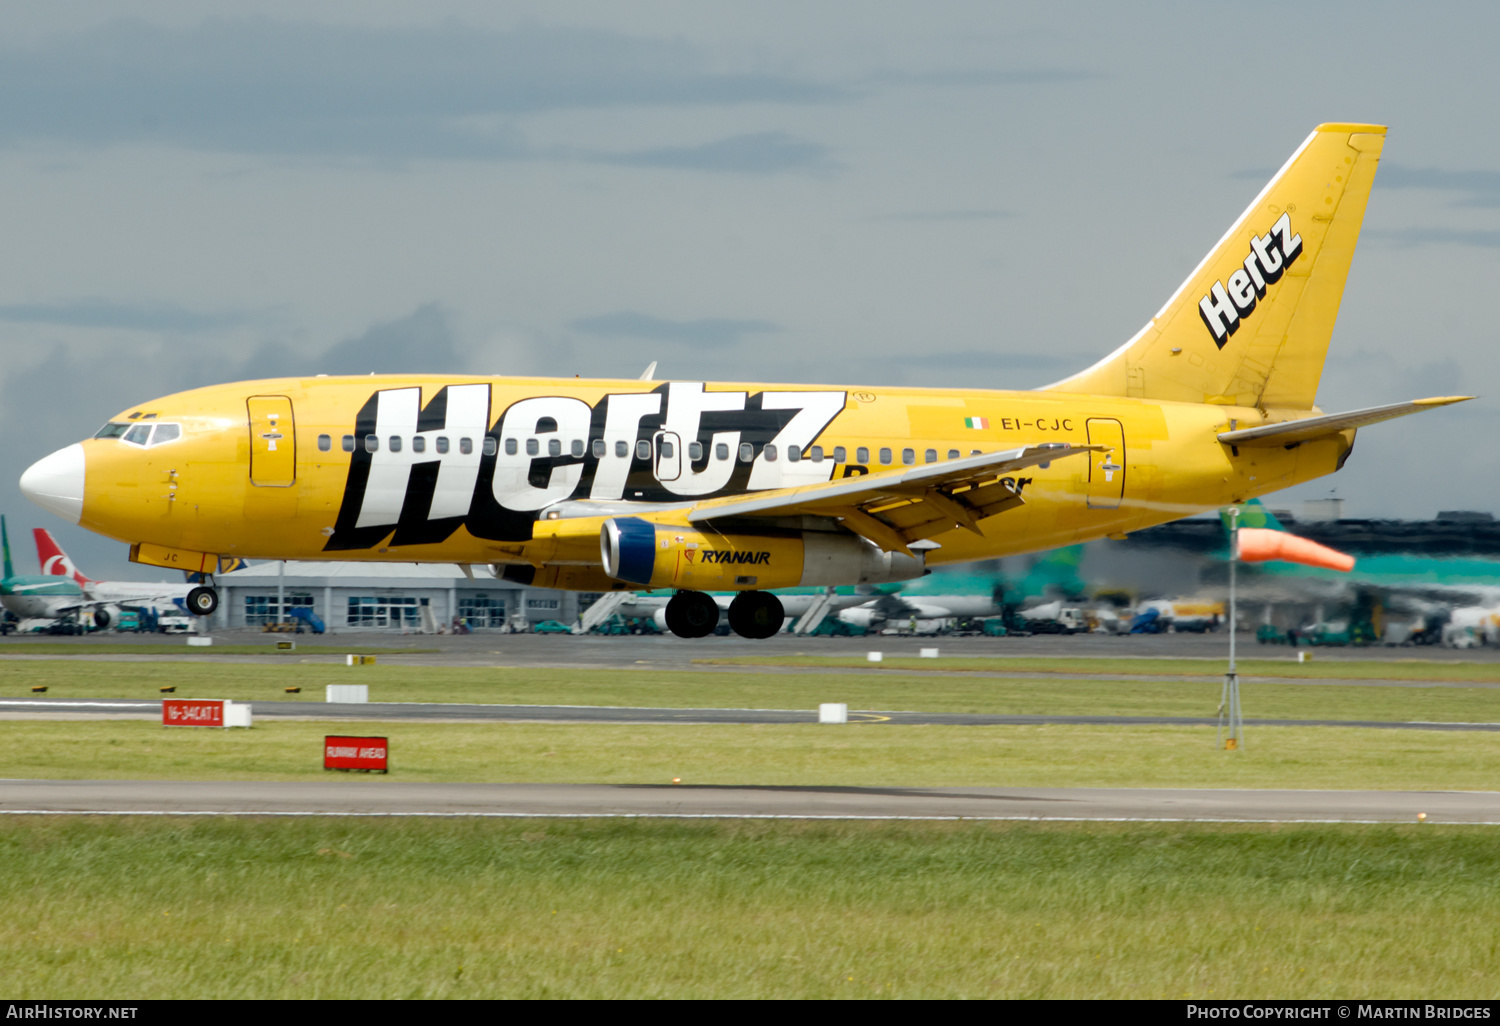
<point x="1483" y="238"/>
<point x="259" y="85"/>
<point x="710" y="331"/>
<point x="947" y="215"/>
<point x="760" y="153"/>
<point x="103" y="313"/>
<point x="983" y="77"/>
<point x="421" y="342"/>
<point x="1477" y="188"/>
<point x="977" y="360"/>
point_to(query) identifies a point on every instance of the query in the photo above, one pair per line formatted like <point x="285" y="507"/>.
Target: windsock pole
<point x="1231" y="722"/>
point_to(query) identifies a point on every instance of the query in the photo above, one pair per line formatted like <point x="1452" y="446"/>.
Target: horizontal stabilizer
<point x="1291" y="432"/>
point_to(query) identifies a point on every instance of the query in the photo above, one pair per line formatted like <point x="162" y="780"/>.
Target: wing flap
<point x="1307" y="428"/>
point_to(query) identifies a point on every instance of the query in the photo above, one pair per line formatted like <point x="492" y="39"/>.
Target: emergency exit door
<point x="1106" y="469"/>
<point x="273" y="442"/>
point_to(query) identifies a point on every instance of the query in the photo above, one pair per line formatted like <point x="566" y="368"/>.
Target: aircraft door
<point x="273" y="444"/>
<point x="668" y="456"/>
<point x="1106" y="469"/>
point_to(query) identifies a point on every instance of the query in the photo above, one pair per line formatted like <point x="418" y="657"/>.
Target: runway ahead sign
<point x="341" y="752"/>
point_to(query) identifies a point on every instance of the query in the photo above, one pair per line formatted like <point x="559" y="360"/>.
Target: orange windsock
<point x="1258" y="544"/>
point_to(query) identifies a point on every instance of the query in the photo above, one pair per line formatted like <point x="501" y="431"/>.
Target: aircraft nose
<point x="55" y="483"/>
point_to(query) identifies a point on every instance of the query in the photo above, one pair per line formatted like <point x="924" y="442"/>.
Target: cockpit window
<point x="139" y="434"/>
<point x="166" y="433"/>
<point x="112" y="430"/>
<point x="142" y="434"/>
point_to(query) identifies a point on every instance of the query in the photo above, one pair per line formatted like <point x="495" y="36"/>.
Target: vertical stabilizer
<point x="10" y="571"/>
<point x="1251" y="325"/>
<point x="54" y="560"/>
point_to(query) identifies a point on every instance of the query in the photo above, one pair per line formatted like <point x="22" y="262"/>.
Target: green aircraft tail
<point x="1252" y="514"/>
<point x="5" y="540"/>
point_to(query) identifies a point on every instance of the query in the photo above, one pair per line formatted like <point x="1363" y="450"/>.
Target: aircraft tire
<point x="692" y="614"/>
<point x="756" y="614"/>
<point x="202" y="601"/>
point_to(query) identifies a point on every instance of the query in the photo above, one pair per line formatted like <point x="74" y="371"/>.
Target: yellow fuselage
<point x="228" y="486"/>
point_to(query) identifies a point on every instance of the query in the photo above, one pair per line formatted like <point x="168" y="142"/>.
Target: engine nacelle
<point x="661" y="556"/>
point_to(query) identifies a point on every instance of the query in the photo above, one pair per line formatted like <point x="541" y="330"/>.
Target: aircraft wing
<point x="1291" y="432"/>
<point x="897" y="508"/>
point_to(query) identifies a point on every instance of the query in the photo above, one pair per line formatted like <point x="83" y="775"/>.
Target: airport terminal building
<point x="387" y="597"/>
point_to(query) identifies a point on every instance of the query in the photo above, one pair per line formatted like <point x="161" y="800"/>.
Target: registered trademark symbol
<point x="865" y="397"/>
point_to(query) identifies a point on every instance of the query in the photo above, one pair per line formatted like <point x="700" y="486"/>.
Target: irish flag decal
<point x="981" y="423"/>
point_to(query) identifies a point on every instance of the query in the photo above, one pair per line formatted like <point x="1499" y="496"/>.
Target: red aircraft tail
<point x="54" y="560"/>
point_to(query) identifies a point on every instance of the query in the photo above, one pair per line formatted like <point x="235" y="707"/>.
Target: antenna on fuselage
<point x="649" y="374"/>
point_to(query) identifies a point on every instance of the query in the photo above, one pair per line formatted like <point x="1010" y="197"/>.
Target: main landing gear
<point x="203" y="601"/>
<point x="752" y="614"/>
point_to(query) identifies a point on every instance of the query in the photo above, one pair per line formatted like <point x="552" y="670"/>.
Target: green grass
<point x="1187" y="696"/>
<point x="267" y="647"/>
<point x="129" y="908"/>
<point x="1323" y="666"/>
<point x="854" y="755"/>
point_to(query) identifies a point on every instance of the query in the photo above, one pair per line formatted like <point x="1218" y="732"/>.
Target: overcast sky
<point x="956" y="194"/>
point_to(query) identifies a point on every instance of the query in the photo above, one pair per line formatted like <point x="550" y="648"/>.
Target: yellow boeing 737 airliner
<point x="599" y="485"/>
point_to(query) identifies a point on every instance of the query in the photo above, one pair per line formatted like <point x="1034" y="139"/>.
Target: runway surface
<point x="379" y="797"/>
<point x="398" y="712"/>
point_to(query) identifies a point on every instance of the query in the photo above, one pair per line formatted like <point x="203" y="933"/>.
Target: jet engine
<point x="664" y="556"/>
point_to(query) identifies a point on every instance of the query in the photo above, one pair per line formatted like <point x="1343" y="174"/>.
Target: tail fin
<point x="1252" y="514"/>
<point x="10" y="571"/>
<point x="54" y="560"/>
<point x="1250" y="326"/>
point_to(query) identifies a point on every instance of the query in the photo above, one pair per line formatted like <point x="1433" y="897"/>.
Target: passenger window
<point x="442" y="443"/>
<point x="862" y="455"/>
<point x="554" y="447"/>
<point x="839" y="454"/>
<point x="908" y="456"/>
<point x="510" y="447"/>
<point x="793" y="454"/>
<point x="488" y="445"/>
<point x="533" y="447"/>
<point x="622" y="449"/>
<point x="643" y="450"/>
<point x="577" y="447"/>
<point x="372" y="443"/>
<point x="395" y="443"/>
<point x="953" y="454"/>
<point x="930" y="456"/>
<point x="721" y="451"/>
<point x="465" y="446"/>
<point x="139" y="434"/>
<point x="325" y="443"/>
<point x="418" y="444"/>
<point x="974" y="452"/>
<point x="348" y="443"/>
<point x="747" y="452"/>
<point x="815" y="454"/>
<point x="885" y="457"/>
<point x="169" y="433"/>
<point x="695" y="451"/>
<point x="666" y="449"/>
<point x="599" y="449"/>
<point x="769" y="452"/>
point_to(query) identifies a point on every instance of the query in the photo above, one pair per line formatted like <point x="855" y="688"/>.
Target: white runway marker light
<point x="874" y="657"/>
<point x="833" y="712"/>
<point x="928" y="653"/>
